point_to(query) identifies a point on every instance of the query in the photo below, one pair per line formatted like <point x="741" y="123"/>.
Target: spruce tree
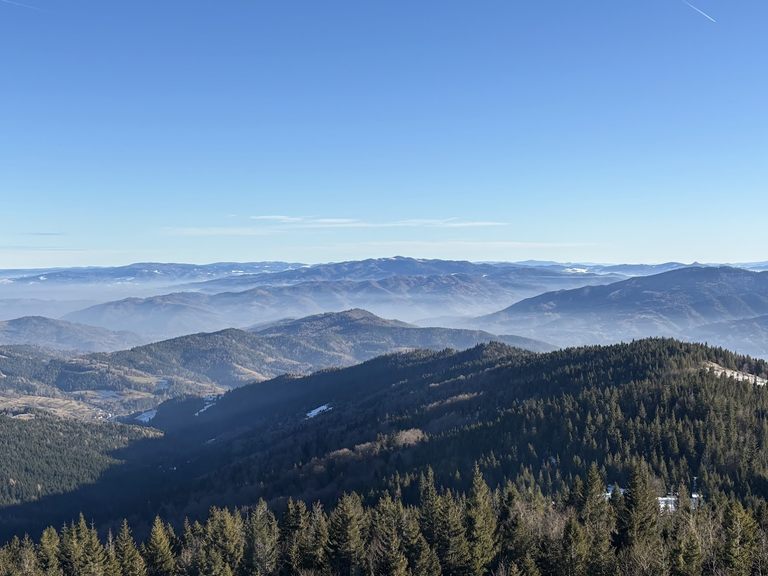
<point x="387" y="548"/>
<point x="640" y="520"/>
<point x="481" y="524"/>
<point x="315" y="556"/>
<point x="740" y="540"/>
<point x="27" y="558"/>
<point x="111" y="565"/>
<point x="575" y="549"/>
<point x="48" y="553"/>
<point x="71" y="550"/>
<point x="159" y="556"/>
<point x="94" y="555"/>
<point x="127" y="555"/>
<point x="345" y="541"/>
<point x="597" y="516"/>
<point x="224" y="534"/>
<point x="422" y="558"/>
<point x="260" y="554"/>
<point x="452" y="545"/>
<point x="293" y="531"/>
<point x="514" y="535"/>
<point x="431" y="508"/>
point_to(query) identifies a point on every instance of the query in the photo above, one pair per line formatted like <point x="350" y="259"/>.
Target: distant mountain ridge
<point x="63" y="335"/>
<point x="146" y="272"/>
<point x="306" y="291"/>
<point x="673" y="303"/>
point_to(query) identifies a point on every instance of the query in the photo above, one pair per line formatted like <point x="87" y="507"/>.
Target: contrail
<point x="23" y="5"/>
<point x="700" y="12"/>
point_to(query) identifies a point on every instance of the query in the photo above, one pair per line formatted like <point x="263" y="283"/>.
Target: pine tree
<point x="575" y="549"/>
<point x="514" y="535"/>
<point x="71" y="550"/>
<point x="387" y="549"/>
<point x="94" y="556"/>
<point x="431" y="508"/>
<point x="345" y="542"/>
<point x="316" y="548"/>
<point x="159" y="556"/>
<point x="127" y="555"/>
<point x="452" y="546"/>
<point x="48" y="553"/>
<point x="422" y="559"/>
<point x="481" y="524"/>
<point x="528" y="566"/>
<point x="224" y="534"/>
<point x="640" y="520"/>
<point x="27" y="558"/>
<point x="260" y="555"/>
<point x="740" y="540"/>
<point x="293" y="530"/>
<point x="596" y="514"/>
<point x="111" y="565"/>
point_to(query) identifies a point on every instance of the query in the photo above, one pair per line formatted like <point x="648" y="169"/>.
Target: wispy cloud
<point x="280" y="224"/>
<point x="279" y="219"/>
<point x="400" y="244"/>
<point x="314" y="222"/>
<point x="700" y="12"/>
<point x="24" y="5"/>
<point x="214" y="231"/>
<point x="17" y="248"/>
<point x="45" y="234"/>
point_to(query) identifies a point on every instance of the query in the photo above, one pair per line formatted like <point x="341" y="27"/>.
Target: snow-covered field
<point x="146" y="416"/>
<point x="318" y="410"/>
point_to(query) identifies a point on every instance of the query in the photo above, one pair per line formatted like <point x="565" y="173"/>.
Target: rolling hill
<point x="62" y="335"/>
<point x="138" y="379"/>
<point x="233" y="357"/>
<point x="535" y="419"/>
<point x="674" y="303"/>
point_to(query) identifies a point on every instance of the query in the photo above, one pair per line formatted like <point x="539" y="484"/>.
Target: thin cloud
<point x="16" y="248"/>
<point x="213" y="231"/>
<point x="280" y="219"/>
<point x="396" y="244"/>
<point x="45" y="234"/>
<point x="314" y="222"/>
<point x="24" y="5"/>
<point x="699" y="11"/>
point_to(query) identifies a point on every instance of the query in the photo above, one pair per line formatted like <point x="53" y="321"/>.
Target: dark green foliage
<point x="159" y="556"/>
<point x="345" y="537"/>
<point x="260" y="546"/>
<point x="49" y="455"/>
<point x="481" y="524"/>
<point x="452" y="546"/>
<point x="128" y="558"/>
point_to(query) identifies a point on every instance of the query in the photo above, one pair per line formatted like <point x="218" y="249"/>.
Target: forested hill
<point x="234" y="357"/>
<point x="650" y="415"/>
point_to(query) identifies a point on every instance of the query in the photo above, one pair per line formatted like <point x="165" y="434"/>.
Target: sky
<point x="317" y="131"/>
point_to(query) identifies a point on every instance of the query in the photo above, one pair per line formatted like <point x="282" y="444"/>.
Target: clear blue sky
<point x="322" y="130"/>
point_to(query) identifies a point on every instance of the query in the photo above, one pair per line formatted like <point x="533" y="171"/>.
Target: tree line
<point x="510" y="530"/>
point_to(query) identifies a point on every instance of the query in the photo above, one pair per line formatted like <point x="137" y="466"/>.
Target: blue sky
<point x="329" y="130"/>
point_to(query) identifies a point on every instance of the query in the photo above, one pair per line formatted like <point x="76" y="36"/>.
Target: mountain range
<point x="686" y="303"/>
<point x="138" y="379"/>
<point x="537" y="420"/>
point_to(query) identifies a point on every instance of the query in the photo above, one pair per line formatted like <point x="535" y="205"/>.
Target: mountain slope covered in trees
<point x="203" y="364"/>
<point x="537" y="420"/>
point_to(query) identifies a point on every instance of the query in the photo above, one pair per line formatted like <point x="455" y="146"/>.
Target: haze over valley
<point x="434" y="288"/>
